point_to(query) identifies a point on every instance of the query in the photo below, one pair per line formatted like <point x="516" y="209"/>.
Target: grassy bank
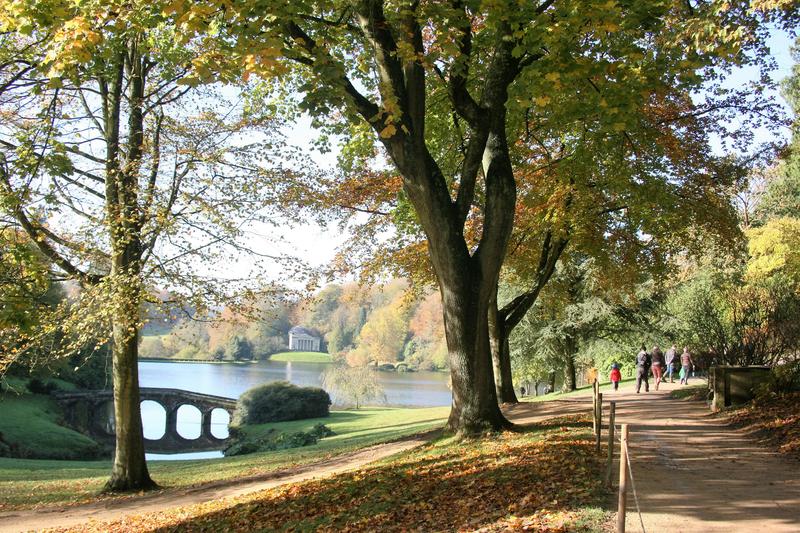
<point x="294" y="357"/>
<point x="27" y="483"/>
<point x="29" y="428"/>
<point x="546" y="478"/>
<point x="580" y="391"/>
<point x="302" y="357"/>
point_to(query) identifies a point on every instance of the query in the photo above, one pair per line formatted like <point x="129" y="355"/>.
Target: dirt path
<point x="692" y="473"/>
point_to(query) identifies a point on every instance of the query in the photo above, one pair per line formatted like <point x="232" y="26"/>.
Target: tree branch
<point x="513" y="312"/>
<point x="39" y="235"/>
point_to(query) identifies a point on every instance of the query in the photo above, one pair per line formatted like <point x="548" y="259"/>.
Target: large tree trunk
<point x="129" y="471"/>
<point x="501" y="355"/>
<point x="475" y="408"/>
<point x="570" y="376"/>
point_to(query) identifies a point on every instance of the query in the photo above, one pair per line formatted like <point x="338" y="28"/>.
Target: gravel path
<point x="695" y="474"/>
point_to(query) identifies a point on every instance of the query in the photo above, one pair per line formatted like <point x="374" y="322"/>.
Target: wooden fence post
<point x="594" y="407"/>
<point x="599" y="416"/>
<point x="610" y="462"/>
<point x="623" y="478"/>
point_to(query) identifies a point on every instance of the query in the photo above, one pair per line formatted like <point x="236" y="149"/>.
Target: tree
<point x="26" y="290"/>
<point x="775" y="250"/>
<point x="730" y="322"/>
<point x="781" y="194"/>
<point x="238" y="349"/>
<point x="587" y="196"/>
<point x="101" y="134"/>
<point x="355" y="384"/>
<point x="419" y="76"/>
<point x="572" y="310"/>
<point x="383" y="336"/>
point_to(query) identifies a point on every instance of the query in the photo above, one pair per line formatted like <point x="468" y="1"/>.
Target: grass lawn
<point x="697" y="391"/>
<point x="580" y="391"/>
<point x="302" y="357"/>
<point x="27" y="483"/>
<point x="546" y="478"/>
<point x="29" y="423"/>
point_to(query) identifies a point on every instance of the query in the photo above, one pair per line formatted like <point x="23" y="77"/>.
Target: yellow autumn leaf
<point x="173" y="7"/>
<point x="388" y="131"/>
<point x="542" y="101"/>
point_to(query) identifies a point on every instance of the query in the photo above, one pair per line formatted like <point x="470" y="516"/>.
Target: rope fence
<point x="626" y="469"/>
<point x="624" y="445"/>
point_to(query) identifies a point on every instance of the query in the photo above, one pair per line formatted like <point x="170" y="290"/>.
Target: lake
<point x="411" y="389"/>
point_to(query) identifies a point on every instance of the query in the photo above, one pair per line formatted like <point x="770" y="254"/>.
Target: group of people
<point x="662" y="365"/>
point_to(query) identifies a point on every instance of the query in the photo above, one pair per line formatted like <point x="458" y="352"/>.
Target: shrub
<point x="280" y="401"/>
<point x="321" y="431"/>
<point x="39" y="386"/>
<point x="241" y="444"/>
<point x="783" y="379"/>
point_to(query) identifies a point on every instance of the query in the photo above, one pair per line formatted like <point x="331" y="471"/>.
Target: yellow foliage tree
<point x="383" y="336"/>
<point x="775" y="250"/>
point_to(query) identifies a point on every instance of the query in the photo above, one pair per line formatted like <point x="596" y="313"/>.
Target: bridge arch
<point x="191" y="428"/>
<point x="83" y="411"/>
<point x="220" y="421"/>
<point x="157" y="415"/>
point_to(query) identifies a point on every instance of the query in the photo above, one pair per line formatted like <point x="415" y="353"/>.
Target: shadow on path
<point x="692" y="472"/>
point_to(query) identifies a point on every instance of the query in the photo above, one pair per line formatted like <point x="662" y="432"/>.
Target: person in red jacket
<point x="616" y="375"/>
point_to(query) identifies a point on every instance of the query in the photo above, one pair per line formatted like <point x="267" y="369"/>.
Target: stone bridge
<point x="92" y="412"/>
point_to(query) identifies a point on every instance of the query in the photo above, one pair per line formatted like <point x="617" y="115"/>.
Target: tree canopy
<point x="582" y="123"/>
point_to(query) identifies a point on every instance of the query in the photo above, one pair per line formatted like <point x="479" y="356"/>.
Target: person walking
<point x="616" y="375"/>
<point x="657" y="357"/>
<point x="686" y="365"/>
<point x="669" y="360"/>
<point x="642" y="369"/>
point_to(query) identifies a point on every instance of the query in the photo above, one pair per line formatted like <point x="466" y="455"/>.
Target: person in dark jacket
<point x="643" y="369"/>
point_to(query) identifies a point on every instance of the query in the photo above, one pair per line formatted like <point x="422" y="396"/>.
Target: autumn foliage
<point x="775" y="419"/>
<point x="544" y="479"/>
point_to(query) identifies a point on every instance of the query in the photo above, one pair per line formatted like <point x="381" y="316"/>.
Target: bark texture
<point x="129" y="471"/>
<point x="570" y="375"/>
